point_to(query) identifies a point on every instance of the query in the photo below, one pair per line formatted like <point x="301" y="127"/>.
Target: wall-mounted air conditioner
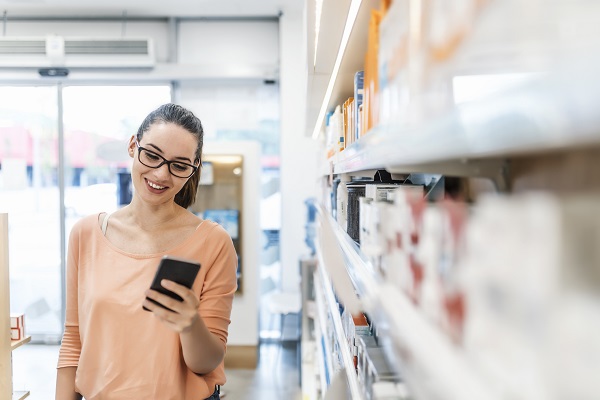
<point x="76" y="52"/>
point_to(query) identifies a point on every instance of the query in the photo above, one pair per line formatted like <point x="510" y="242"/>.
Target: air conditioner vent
<point x="16" y="46"/>
<point x="112" y="47"/>
<point x="76" y="52"/>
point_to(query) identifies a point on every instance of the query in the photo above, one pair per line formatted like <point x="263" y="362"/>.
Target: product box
<point x="379" y="191"/>
<point x="358" y="100"/>
<point x="531" y="278"/>
<point x="17" y="326"/>
<point x="363" y="342"/>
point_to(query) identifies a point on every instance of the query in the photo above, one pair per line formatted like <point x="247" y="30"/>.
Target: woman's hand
<point x="184" y="314"/>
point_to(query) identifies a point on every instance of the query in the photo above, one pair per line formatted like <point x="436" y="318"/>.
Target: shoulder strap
<point x="105" y="223"/>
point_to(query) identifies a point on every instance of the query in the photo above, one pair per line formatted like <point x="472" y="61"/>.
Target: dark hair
<point x="176" y="114"/>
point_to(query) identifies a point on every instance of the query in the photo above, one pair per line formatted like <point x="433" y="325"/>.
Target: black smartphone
<point x="177" y="270"/>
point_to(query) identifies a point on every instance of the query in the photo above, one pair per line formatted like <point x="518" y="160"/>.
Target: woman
<point x="112" y="349"/>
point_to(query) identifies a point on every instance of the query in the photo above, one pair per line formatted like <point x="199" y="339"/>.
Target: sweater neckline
<point x="98" y="231"/>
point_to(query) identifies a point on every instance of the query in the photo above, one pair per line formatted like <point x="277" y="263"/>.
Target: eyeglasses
<point x="153" y="160"/>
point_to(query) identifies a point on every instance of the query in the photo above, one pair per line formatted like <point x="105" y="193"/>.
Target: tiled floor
<point x="277" y="376"/>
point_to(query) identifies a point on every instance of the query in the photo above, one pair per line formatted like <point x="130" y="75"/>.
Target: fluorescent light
<point x="318" y="11"/>
<point x="352" y="13"/>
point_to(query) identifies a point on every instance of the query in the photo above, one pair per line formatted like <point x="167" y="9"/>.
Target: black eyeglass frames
<point x="153" y="160"/>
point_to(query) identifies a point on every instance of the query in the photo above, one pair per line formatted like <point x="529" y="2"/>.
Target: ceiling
<point x="146" y="8"/>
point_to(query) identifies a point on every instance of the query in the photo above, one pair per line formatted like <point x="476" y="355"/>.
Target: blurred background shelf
<point x="326" y="295"/>
<point x="18" y="343"/>
<point x="418" y="350"/>
<point x="550" y="114"/>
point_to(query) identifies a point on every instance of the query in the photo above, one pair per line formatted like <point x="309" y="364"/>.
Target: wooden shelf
<point x="20" y="395"/>
<point x="7" y="345"/>
<point x="18" y="343"/>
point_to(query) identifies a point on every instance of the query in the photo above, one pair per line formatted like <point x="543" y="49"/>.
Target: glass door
<point x="97" y="122"/>
<point x="29" y="192"/>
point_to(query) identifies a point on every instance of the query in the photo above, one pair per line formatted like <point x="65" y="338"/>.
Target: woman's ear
<point x="131" y="146"/>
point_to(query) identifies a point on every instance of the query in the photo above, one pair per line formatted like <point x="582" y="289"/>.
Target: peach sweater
<point x="121" y="351"/>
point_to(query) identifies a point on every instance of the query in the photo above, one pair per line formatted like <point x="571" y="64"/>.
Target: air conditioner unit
<point x="76" y="52"/>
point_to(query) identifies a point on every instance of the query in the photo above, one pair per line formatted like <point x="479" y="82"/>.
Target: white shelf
<point x="321" y="365"/>
<point x="309" y="372"/>
<point x="556" y="112"/>
<point x="553" y="113"/>
<point x="349" y="58"/>
<point x="423" y="353"/>
<point x="347" y="359"/>
<point x="323" y="355"/>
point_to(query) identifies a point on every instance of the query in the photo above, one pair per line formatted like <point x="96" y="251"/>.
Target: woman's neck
<point x="150" y="218"/>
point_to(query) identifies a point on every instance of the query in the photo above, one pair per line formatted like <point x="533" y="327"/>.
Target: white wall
<point x="298" y="160"/>
<point x="236" y="46"/>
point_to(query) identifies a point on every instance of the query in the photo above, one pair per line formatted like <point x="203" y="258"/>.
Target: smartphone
<point x="177" y="270"/>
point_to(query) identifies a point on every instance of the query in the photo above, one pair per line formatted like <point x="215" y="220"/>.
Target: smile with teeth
<point x="155" y="186"/>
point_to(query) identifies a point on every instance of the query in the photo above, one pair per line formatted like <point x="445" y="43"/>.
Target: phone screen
<point x="177" y="270"/>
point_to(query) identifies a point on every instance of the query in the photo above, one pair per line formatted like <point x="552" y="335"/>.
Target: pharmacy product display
<point x="474" y="263"/>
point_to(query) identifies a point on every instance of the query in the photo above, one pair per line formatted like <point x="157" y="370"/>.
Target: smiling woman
<point x="112" y="262"/>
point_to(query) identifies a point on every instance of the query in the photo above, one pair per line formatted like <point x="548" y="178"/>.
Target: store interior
<point x="411" y="187"/>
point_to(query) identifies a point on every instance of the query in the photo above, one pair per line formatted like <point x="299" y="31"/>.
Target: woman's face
<point x="158" y="185"/>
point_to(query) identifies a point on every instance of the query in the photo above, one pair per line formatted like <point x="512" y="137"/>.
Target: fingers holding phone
<point x="178" y="315"/>
<point x="170" y="297"/>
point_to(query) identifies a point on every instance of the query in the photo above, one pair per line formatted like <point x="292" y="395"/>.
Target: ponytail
<point x="187" y="195"/>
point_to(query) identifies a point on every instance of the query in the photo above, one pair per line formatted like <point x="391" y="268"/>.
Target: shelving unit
<point x="466" y="143"/>
<point x="326" y="303"/>
<point x="6" y="345"/>
<point x="310" y="375"/>
<point x="324" y="352"/>
<point x="535" y="136"/>
<point x="408" y="332"/>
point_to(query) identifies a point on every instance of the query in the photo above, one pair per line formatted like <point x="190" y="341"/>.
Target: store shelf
<point x="20" y="395"/>
<point x="332" y="82"/>
<point x="17" y="343"/>
<point x="425" y="354"/>
<point x="332" y="308"/>
<point x="310" y="376"/>
<point x="551" y="111"/>
<point x="359" y="268"/>
<point x="321" y="364"/>
<point x="551" y="114"/>
<point x="324" y="352"/>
